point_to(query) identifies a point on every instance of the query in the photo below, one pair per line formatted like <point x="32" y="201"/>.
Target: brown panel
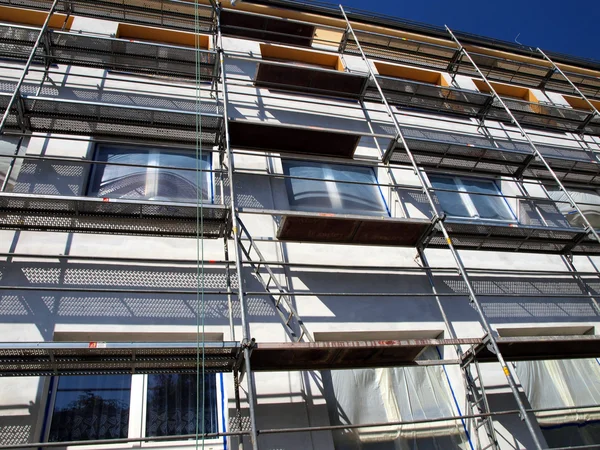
<point x="294" y="140"/>
<point x="266" y="28"/>
<point x="545" y="347"/>
<point x="308" y="80"/>
<point x="317" y="229"/>
<point x="334" y="355"/>
<point x="323" y="228"/>
<point x="405" y="233"/>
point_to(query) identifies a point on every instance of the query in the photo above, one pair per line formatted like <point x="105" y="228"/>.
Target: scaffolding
<point x="31" y="109"/>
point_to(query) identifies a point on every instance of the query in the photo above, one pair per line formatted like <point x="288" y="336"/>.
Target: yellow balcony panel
<point x="162" y="35"/>
<point x="411" y="73"/>
<point x="507" y="90"/>
<point x="31" y="17"/>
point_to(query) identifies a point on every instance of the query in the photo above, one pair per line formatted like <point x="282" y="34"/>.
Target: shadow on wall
<point x="47" y="294"/>
<point x="17" y="429"/>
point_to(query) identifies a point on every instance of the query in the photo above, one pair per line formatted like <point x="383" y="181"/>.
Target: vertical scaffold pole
<point x="16" y="92"/>
<point x="458" y="260"/>
<point x="238" y="252"/>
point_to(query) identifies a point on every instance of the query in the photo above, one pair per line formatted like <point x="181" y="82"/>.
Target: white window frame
<point x="465" y="197"/>
<point x="137" y="416"/>
<point x="331" y="185"/>
<point x="95" y="178"/>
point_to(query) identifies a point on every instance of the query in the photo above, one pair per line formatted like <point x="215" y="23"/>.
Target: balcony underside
<point x="265" y="28"/>
<point x="539" y="348"/>
<point x="107" y="53"/>
<point x="301" y="140"/>
<point x="110" y="216"/>
<point x="478" y="235"/>
<point x="100" y="119"/>
<point x="424" y="96"/>
<point x="307" y="80"/>
<point x="478" y="154"/>
<point x="346" y="229"/>
<point x="159" y="13"/>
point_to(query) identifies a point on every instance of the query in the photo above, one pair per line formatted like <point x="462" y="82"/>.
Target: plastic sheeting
<point x="562" y="384"/>
<point x="391" y="395"/>
<point x="588" y="202"/>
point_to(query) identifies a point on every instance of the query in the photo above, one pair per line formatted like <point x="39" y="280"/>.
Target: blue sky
<point x="564" y="26"/>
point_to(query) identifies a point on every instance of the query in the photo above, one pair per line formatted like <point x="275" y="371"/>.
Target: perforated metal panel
<point x="539" y="115"/>
<point x="399" y="50"/>
<point x="114" y="358"/>
<point x="165" y="13"/>
<point x="93" y="118"/>
<point x="108" y="53"/>
<point x="90" y="215"/>
<point x="516" y="238"/>
<point x="413" y="94"/>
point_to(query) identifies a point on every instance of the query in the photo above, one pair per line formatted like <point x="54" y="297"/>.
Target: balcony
<point x="427" y="55"/>
<point x="112" y="114"/>
<point x="476" y="153"/>
<point x="307" y="72"/>
<point x="35" y="212"/>
<point x="124" y="55"/>
<point x="425" y="90"/>
<point x="167" y="13"/>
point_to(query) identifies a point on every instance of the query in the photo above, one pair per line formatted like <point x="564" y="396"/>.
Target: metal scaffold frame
<point x="246" y="356"/>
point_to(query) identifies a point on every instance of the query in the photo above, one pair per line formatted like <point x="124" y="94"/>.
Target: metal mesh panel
<point x="82" y="360"/>
<point x="119" y="54"/>
<point x="94" y="216"/>
<point x="96" y="119"/>
<point x="16" y="43"/>
<point x="505" y="70"/>
<point x="400" y="50"/>
<point x="539" y="115"/>
<point x="508" y="238"/>
<point x="588" y="85"/>
<point x="409" y="93"/>
<point x="149" y="12"/>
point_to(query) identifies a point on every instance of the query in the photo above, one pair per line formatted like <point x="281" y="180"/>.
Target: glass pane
<point x="147" y="183"/>
<point x="91" y="407"/>
<point x="487" y="207"/>
<point x="357" y="198"/>
<point x="307" y="195"/>
<point x="172" y="409"/>
<point x="333" y="195"/>
<point x="451" y="202"/>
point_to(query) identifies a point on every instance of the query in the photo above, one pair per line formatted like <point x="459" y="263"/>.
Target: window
<point x="330" y="188"/>
<point x="588" y="201"/>
<point x="471" y="198"/>
<point x="150" y="174"/>
<point x="361" y="396"/>
<point x="98" y="406"/>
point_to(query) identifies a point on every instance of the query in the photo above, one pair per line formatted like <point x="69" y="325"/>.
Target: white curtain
<point x="562" y="384"/>
<point x="392" y="395"/>
<point x="587" y="200"/>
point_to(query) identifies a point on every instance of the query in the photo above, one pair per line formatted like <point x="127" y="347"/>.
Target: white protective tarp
<point x="391" y="395"/>
<point x="587" y="200"/>
<point x="562" y="384"/>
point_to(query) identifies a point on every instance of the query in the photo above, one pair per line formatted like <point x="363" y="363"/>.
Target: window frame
<point x="137" y="416"/>
<point x="94" y="174"/>
<point x="468" y="203"/>
<point x="331" y="186"/>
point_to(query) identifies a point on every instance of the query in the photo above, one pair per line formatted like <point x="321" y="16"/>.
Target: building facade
<point x="286" y="225"/>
